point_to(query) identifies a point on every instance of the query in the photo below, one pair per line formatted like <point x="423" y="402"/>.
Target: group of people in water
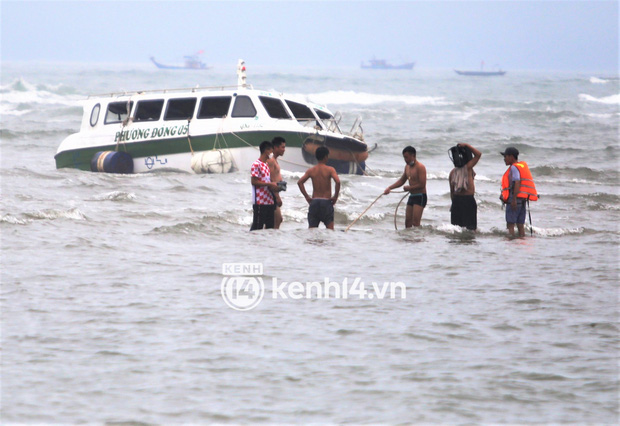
<point x="517" y="188"/>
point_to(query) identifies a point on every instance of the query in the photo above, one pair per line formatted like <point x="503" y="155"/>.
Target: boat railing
<point x="356" y="129"/>
<point x="164" y="91"/>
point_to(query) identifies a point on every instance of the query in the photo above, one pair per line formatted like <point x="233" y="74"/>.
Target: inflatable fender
<point x="215" y="161"/>
<point x="112" y="162"/>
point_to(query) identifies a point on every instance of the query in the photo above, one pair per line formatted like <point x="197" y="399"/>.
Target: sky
<point x="513" y="35"/>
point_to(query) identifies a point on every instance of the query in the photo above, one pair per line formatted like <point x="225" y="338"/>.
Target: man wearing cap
<point x="511" y="186"/>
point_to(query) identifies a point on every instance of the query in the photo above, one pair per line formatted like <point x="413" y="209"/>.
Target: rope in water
<point x="353" y="223"/>
<point x="371" y="204"/>
<point x="397" y="206"/>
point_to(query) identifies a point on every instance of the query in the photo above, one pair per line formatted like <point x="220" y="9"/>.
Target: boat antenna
<point x="241" y="73"/>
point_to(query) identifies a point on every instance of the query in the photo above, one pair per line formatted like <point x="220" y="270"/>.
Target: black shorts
<point x="464" y="212"/>
<point x="263" y="216"/>
<point x="320" y="210"/>
<point x="418" y="199"/>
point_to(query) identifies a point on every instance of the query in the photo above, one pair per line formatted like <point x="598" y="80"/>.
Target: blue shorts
<point x="516" y="216"/>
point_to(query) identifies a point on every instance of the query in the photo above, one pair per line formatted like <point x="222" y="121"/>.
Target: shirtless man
<point x="322" y="203"/>
<point x="415" y="173"/>
<point x="279" y="146"/>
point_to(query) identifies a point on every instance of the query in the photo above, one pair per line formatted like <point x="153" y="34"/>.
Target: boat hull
<point x="176" y="152"/>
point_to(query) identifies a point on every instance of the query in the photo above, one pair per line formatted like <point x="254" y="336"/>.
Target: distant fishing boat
<point x="192" y="62"/>
<point x="481" y="73"/>
<point x="382" y="64"/>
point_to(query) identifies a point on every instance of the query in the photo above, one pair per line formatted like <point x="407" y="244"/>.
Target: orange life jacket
<point x="527" y="190"/>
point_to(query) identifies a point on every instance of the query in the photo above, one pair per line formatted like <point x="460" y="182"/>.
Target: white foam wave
<point x="556" y="232"/>
<point x="21" y="92"/>
<point x="52" y="214"/>
<point x="340" y="97"/>
<point x="609" y="100"/>
<point x="7" y="218"/>
<point x="596" y="80"/>
<point x="116" y="196"/>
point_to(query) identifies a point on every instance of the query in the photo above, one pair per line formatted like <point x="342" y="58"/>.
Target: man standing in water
<point x="279" y="146"/>
<point x="464" y="210"/>
<point x="415" y="174"/>
<point x="517" y="189"/>
<point x="263" y="190"/>
<point x="322" y="203"/>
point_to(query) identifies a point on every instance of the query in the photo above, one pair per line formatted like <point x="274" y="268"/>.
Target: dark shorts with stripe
<point x="417" y="199"/>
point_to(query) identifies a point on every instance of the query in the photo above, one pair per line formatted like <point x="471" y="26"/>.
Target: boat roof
<point x="213" y="90"/>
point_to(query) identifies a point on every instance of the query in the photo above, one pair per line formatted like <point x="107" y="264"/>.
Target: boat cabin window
<point x="214" y="106"/>
<point x="300" y="111"/>
<point x="117" y="112"/>
<point x="274" y="107"/>
<point x="149" y="110"/>
<point x="180" y="109"/>
<point x="243" y="107"/>
<point x="323" y="115"/>
<point x="94" y="115"/>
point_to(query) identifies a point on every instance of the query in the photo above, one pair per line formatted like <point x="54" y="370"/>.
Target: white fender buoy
<point x="215" y="161"/>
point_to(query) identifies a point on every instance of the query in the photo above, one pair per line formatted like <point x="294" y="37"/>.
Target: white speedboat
<point x="206" y="130"/>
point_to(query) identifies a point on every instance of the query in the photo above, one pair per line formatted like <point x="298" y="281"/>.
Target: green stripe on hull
<point x="80" y="158"/>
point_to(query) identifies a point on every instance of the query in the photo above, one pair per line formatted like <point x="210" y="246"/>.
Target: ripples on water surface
<point x="111" y="306"/>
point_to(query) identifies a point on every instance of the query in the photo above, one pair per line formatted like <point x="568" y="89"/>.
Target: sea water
<point x="112" y="307"/>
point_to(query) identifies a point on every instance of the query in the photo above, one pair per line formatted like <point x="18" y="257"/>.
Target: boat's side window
<point x="117" y="112"/>
<point x="300" y="111"/>
<point x="180" y="109"/>
<point x="94" y="115"/>
<point x="243" y="107"/>
<point x="149" y="110"/>
<point x="274" y="107"/>
<point x="214" y="106"/>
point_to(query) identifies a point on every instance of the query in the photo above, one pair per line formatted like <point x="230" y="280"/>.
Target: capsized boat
<point x="206" y="130"/>
<point x="382" y="64"/>
<point x="191" y="62"/>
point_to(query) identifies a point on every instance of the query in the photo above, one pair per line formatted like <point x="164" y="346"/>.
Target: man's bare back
<point x="322" y="176"/>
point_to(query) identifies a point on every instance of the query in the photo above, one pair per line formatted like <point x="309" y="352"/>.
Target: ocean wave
<point x="608" y="100"/>
<point x="52" y="214"/>
<point x="20" y="96"/>
<point x="584" y="173"/>
<point x="556" y="232"/>
<point x="341" y="97"/>
<point x="116" y="196"/>
<point x="598" y="80"/>
<point x="10" y="219"/>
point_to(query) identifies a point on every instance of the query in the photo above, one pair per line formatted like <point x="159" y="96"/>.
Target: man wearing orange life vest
<point x="517" y="188"/>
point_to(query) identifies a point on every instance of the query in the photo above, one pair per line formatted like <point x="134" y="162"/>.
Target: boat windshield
<point x="328" y="121"/>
